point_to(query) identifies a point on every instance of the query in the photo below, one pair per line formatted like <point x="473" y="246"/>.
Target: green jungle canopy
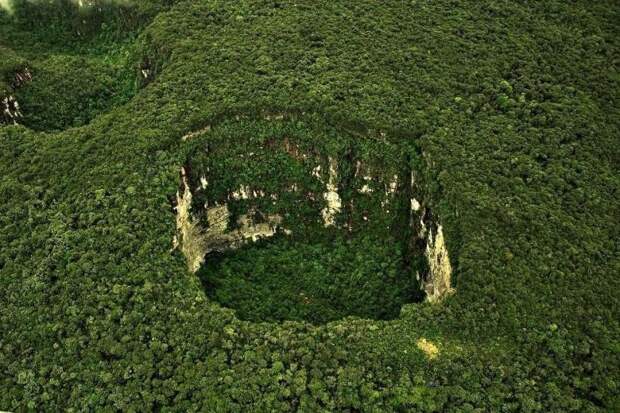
<point x="168" y="241"/>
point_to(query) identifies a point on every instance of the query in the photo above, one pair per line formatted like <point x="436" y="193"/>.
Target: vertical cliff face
<point x="10" y="110"/>
<point x="331" y="196"/>
<point x="437" y="283"/>
<point x="428" y="240"/>
<point x="190" y="236"/>
<point x="197" y="241"/>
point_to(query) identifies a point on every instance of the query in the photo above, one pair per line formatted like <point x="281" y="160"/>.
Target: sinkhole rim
<point x="425" y="285"/>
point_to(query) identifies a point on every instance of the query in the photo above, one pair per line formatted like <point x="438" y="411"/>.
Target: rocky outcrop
<point x="196" y="242"/>
<point x="190" y="237"/>
<point x="429" y="240"/>
<point x="10" y="110"/>
<point x="21" y="77"/>
<point x="9" y="106"/>
<point x="331" y="196"/>
<point x="437" y="283"/>
<point x="220" y="237"/>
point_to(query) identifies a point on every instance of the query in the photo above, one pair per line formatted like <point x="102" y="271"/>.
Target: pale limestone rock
<point x="218" y="217"/>
<point x="248" y="229"/>
<point x="316" y="172"/>
<point x="365" y="189"/>
<point x="219" y="238"/>
<point x="438" y="282"/>
<point x="9" y="106"/>
<point x="423" y="230"/>
<point x="196" y="133"/>
<point x="10" y="109"/>
<point x="415" y="205"/>
<point x="393" y="186"/>
<point x="334" y="203"/>
<point x="246" y="192"/>
<point x="242" y="193"/>
<point x="190" y="237"/>
<point x="195" y="242"/>
<point x="390" y="192"/>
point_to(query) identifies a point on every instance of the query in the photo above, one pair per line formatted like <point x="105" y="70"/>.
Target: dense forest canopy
<point x="506" y="116"/>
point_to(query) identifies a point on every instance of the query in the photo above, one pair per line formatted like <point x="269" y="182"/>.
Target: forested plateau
<point x="310" y="206"/>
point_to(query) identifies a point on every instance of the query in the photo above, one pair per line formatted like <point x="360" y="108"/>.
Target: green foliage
<point x="288" y="279"/>
<point x="10" y="64"/>
<point x="63" y="23"/>
<point x="512" y="108"/>
<point x="81" y="58"/>
<point x="70" y="91"/>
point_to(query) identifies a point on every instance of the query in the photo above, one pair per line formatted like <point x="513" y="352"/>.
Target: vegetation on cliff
<point x="512" y="111"/>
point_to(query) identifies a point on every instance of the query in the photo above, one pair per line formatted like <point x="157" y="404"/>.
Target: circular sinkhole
<point x="288" y="219"/>
<point x="65" y="63"/>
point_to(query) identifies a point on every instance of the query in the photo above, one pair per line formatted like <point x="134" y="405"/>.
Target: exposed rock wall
<point x="189" y="234"/>
<point x="220" y="237"/>
<point x="331" y="196"/>
<point x="429" y="240"/>
<point x="196" y="242"/>
<point x="437" y="283"/>
<point x="10" y="110"/>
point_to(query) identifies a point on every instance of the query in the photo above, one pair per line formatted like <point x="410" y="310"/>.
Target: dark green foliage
<point x="63" y="23"/>
<point x="10" y="64"/>
<point x="514" y="109"/>
<point x="289" y="279"/>
<point x="80" y="58"/>
<point x="70" y="91"/>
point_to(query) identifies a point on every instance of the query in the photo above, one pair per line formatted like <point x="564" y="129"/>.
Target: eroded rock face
<point x="331" y="196"/>
<point x="196" y="242"/>
<point x="22" y="77"/>
<point x="437" y="283"/>
<point x="189" y="235"/>
<point x="10" y="110"/>
<point x="219" y="237"/>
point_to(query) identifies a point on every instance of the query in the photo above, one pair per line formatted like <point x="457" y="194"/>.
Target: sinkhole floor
<point x="318" y="280"/>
